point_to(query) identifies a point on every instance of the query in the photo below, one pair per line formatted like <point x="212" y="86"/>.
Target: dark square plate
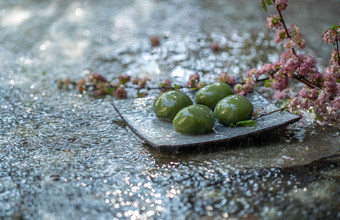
<point x="139" y="116"/>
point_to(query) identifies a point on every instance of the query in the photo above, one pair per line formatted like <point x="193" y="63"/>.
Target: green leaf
<point x="177" y="87"/>
<point x="141" y="94"/>
<point x="110" y="90"/>
<point x="232" y="125"/>
<point x="43" y="73"/>
<point x="284" y="104"/>
<point x="269" y="2"/>
<point x="268" y="83"/>
<point x="248" y="123"/>
<point x="335" y="27"/>
<point x="113" y="79"/>
<point x="264" y="6"/>
<point x="123" y="81"/>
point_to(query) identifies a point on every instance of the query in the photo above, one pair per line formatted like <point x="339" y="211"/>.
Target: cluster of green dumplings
<point x="214" y="100"/>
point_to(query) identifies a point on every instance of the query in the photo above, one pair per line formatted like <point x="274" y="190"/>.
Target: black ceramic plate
<point x="139" y="116"/>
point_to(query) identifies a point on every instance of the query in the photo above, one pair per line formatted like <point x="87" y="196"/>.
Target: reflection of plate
<point x="140" y="117"/>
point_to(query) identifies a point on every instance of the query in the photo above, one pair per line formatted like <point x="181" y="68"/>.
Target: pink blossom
<point x="305" y="103"/>
<point x="301" y="42"/>
<point x="123" y="79"/>
<point x="289" y="44"/>
<point x="289" y="63"/>
<point x="195" y="77"/>
<point x="101" y="88"/>
<point x="334" y="70"/>
<point x="331" y="75"/>
<point x="336" y="103"/>
<point x="281" y="4"/>
<point x="273" y="21"/>
<point x="142" y="82"/>
<point x="248" y="86"/>
<point x="322" y="102"/>
<point x="335" y="59"/>
<point x="306" y="92"/>
<point x="215" y="47"/>
<point x="96" y="77"/>
<point x="242" y="93"/>
<point x="280" y="35"/>
<point x="224" y="77"/>
<point x="238" y="88"/>
<point x="121" y="92"/>
<point x="142" y="94"/>
<point x="330" y="36"/>
<point x="297" y="37"/>
<point x="320" y="106"/>
<point x="280" y="81"/>
<point x="81" y="85"/>
<point x="316" y="78"/>
<point x="155" y="41"/>
<point x="135" y="81"/>
<point x="294" y="103"/>
<point x="324" y="95"/>
<point x="280" y="94"/>
<point x="116" y="84"/>
<point x="330" y="86"/>
<point x="200" y="85"/>
<point x="166" y="83"/>
<point x="307" y="66"/>
<point x="193" y="80"/>
<point x="231" y="80"/>
<point x="266" y="68"/>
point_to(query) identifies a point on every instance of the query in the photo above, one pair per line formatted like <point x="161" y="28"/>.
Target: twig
<point x="268" y="113"/>
<point x="337" y="47"/>
<point x="285" y="27"/>
<point x="295" y="76"/>
<point x="257" y="80"/>
<point x="153" y="88"/>
<point x="186" y="87"/>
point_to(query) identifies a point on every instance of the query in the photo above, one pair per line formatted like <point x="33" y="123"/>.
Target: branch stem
<point x="295" y="76"/>
<point x="268" y="113"/>
<point x="337" y="48"/>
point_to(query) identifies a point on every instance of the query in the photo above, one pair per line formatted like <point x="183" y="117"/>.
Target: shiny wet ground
<point x="66" y="155"/>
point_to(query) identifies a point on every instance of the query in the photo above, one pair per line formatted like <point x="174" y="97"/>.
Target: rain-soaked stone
<point x="66" y="155"/>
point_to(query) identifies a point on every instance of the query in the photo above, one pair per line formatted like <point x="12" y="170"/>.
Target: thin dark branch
<point x="305" y="81"/>
<point x="268" y="113"/>
<point x="285" y="27"/>
<point x="153" y="88"/>
<point x="337" y="48"/>
<point x="296" y="76"/>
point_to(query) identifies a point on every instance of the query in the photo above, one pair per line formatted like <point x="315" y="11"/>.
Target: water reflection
<point x="15" y="17"/>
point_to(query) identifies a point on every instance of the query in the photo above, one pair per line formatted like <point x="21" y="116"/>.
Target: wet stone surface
<point x="64" y="155"/>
